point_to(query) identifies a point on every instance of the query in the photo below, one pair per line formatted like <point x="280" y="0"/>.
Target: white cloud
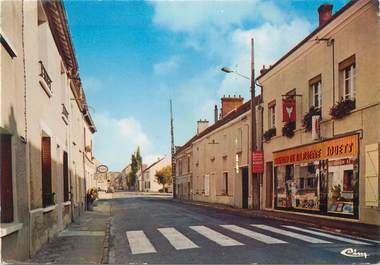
<point x="91" y="83"/>
<point x="167" y="66"/>
<point x="116" y="139"/>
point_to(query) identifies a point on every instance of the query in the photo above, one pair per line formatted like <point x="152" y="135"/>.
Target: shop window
<point x="47" y="195"/>
<point x="347" y="70"/>
<point x="6" y="188"/>
<point x="342" y="186"/>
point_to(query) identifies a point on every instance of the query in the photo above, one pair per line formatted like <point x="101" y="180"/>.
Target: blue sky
<point x="135" y="55"/>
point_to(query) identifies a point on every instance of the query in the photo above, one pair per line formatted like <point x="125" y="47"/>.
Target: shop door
<point x="269" y="185"/>
<point x="244" y="173"/>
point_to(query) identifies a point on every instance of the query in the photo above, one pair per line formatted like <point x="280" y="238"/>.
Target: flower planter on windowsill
<point x="288" y="129"/>
<point x="342" y="108"/>
<point x="307" y="121"/>
<point x="269" y="134"/>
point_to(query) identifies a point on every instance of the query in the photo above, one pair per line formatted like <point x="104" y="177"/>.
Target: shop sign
<point x="258" y="162"/>
<point x="289" y="109"/>
<point x="335" y="148"/>
<point x="102" y="169"/>
<point x="316" y="129"/>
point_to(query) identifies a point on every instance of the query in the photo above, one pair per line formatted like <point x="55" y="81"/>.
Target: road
<point x="161" y="230"/>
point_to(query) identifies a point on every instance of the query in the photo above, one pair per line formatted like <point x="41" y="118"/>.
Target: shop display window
<point x="305" y="193"/>
<point x="341" y="186"/>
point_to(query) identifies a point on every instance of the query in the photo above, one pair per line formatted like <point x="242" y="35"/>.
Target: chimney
<point x="325" y="13"/>
<point x="230" y="103"/>
<point x="216" y="113"/>
<point x="202" y="125"/>
<point x="263" y="70"/>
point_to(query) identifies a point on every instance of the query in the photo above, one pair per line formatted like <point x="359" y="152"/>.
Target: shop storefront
<point x="321" y="178"/>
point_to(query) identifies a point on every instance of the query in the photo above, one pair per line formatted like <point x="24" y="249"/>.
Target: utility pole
<point x="172" y="150"/>
<point x="255" y="182"/>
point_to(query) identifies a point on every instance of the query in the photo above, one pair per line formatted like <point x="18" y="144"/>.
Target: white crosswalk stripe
<point x="176" y="239"/>
<point x="215" y="236"/>
<point x="290" y="234"/>
<point x="257" y="236"/>
<point x="139" y="243"/>
<point x="336" y="237"/>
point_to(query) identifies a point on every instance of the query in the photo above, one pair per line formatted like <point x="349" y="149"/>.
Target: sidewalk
<point x="334" y="225"/>
<point x="81" y="242"/>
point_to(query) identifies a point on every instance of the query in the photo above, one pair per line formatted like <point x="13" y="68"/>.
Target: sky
<point x="134" y="56"/>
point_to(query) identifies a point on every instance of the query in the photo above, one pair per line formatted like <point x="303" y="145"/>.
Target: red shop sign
<point x="258" y="162"/>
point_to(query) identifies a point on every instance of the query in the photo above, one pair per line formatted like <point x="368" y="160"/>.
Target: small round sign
<point x="102" y="169"/>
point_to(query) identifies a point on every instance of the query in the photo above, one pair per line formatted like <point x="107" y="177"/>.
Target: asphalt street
<point x="161" y="230"/>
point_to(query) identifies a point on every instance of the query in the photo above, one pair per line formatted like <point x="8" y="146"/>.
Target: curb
<point x="248" y="214"/>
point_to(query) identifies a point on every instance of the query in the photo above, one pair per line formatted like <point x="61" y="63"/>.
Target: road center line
<point x="290" y="234"/>
<point x="215" y="236"/>
<point x="139" y="243"/>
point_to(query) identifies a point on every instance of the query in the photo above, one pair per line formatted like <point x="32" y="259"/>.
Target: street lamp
<point x="255" y="202"/>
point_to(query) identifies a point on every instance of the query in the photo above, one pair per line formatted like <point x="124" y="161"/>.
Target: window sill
<point x="9" y="228"/>
<point x="67" y="203"/>
<point x="45" y="87"/>
<point x="49" y="208"/>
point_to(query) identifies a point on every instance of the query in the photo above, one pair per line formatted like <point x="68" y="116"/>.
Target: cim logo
<point x="351" y="252"/>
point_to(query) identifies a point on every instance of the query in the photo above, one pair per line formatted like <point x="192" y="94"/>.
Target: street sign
<point x="102" y="169"/>
<point x="258" y="162"/>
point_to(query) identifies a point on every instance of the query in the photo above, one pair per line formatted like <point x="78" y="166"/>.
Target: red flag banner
<point x="289" y="110"/>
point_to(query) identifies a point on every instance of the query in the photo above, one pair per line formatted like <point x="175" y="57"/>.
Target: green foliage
<point x="136" y="163"/>
<point x="342" y="108"/>
<point x="164" y="176"/>
<point x="307" y="121"/>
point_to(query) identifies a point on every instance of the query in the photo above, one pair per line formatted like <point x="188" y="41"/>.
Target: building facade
<point x="150" y="183"/>
<point x="321" y="105"/>
<point x="44" y="116"/>
<point x="213" y="166"/>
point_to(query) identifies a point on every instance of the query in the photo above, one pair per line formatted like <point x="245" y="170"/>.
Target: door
<point x="244" y="173"/>
<point x="269" y="185"/>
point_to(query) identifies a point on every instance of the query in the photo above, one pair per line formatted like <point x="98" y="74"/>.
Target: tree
<point x="136" y="162"/>
<point x="164" y="176"/>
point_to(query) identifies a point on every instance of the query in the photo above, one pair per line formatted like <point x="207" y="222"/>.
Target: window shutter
<point x="6" y="179"/>
<point x="46" y="170"/>
<point x="372" y="175"/>
<point x="207" y="186"/>
<point x="65" y="177"/>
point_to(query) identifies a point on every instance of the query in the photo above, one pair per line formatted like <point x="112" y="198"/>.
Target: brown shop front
<point x="320" y="178"/>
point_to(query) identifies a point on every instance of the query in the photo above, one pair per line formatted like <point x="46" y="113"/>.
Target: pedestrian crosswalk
<point x="139" y="243"/>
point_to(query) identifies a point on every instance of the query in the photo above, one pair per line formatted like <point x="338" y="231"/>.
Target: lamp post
<point x="255" y="202"/>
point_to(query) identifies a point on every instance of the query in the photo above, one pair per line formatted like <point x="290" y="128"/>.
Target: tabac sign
<point x="340" y="147"/>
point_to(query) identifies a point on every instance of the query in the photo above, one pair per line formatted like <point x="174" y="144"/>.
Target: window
<point x="6" y="188"/>
<point x="65" y="177"/>
<point x="225" y="183"/>
<point x="272" y="114"/>
<point x="347" y="78"/>
<point x="315" y="85"/>
<point x="47" y="195"/>
<point x="180" y="167"/>
<point x="239" y="136"/>
<point x="188" y="164"/>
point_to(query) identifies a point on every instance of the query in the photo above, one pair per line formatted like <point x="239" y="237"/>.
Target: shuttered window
<point x="6" y="179"/>
<point x="65" y="177"/>
<point x="47" y="196"/>
<point x="372" y="175"/>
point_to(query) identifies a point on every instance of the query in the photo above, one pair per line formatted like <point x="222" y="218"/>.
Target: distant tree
<point x="136" y="162"/>
<point x="164" y="176"/>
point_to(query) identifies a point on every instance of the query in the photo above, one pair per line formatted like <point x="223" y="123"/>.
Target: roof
<point x="55" y="12"/>
<point x="154" y="163"/>
<point x="229" y="117"/>
<point x="301" y="43"/>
